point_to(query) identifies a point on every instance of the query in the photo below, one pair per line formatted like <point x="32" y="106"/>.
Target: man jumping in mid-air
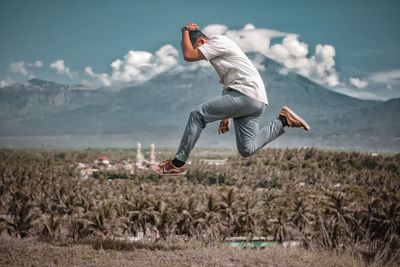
<point x="243" y="100"/>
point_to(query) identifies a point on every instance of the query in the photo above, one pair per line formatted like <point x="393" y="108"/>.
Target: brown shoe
<point x="293" y="119"/>
<point x="166" y="168"/>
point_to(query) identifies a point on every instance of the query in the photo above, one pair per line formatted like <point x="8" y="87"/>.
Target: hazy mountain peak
<point x="44" y="84"/>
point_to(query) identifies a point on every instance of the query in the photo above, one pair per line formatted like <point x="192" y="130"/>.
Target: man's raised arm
<point x="189" y="52"/>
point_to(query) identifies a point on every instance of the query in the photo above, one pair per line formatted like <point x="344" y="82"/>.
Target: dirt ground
<point x="29" y="252"/>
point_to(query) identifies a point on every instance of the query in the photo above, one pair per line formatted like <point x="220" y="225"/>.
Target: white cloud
<point x="214" y="30"/>
<point x="6" y="82"/>
<point x="390" y="78"/>
<point x="38" y="64"/>
<point x="137" y="67"/>
<point x="360" y="84"/>
<point x="101" y="79"/>
<point x="24" y="68"/>
<point x="293" y="55"/>
<point x="249" y="39"/>
<point x="19" y="68"/>
<point x="60" y="68"/>
<point x="325" y="65"/>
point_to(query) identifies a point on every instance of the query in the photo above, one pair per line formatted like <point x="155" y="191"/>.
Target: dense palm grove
<point x="328" y="200"/>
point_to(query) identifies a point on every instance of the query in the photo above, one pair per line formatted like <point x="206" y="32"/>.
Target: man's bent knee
<point x="245" y="152"/>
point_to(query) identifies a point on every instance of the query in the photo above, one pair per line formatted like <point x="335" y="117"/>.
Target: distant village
<point x="104" y="163"/>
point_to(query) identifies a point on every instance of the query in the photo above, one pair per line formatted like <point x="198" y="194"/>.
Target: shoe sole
<point x="169" y="174"/>
<point x="297" y="117"/>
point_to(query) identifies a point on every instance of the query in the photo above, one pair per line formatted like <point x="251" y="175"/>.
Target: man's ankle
<point x="283" y="120"/>
<point x="177" y="163"/>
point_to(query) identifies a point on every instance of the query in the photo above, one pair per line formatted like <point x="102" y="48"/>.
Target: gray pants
<point x="246" y="113"/>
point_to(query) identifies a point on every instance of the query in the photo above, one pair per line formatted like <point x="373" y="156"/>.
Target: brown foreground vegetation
<point x="336" y="203"/>
<point x="28" y="252"/>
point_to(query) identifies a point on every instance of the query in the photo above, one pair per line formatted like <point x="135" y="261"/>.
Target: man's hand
<point x="224" y="126"/>
<point x="192" y="26"/>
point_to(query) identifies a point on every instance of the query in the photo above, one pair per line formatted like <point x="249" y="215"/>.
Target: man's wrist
<point x="186" y="28"/>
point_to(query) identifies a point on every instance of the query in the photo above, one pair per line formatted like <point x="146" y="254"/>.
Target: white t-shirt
<point x="234" y="68"/>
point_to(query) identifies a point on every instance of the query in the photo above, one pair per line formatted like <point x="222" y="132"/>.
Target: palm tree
<point x="23" y="216"/>
<point x="281" y="228"/>
<point x="163" y="218"/>
<point x="339" y="217"/>
<point x="139" y="213"/>
<point x="301" y="215"/>
<point x="229" y="210"/>
<point x="247" y="216"/>
<point x="190" y="221"/>
<point x="212" y="218"/>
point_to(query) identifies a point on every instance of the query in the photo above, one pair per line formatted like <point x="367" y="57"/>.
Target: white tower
<point x="139" y="156"/>
<point x="152" y="154"/>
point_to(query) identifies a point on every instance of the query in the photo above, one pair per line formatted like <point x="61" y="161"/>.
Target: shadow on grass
<point x="125" y="245"/>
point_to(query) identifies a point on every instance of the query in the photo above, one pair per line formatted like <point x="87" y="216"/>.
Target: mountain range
<point x="44" y="113"/>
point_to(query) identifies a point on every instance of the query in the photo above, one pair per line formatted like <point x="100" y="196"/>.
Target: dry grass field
<point x="344" y="207"/>
<point x="28" y="252"/>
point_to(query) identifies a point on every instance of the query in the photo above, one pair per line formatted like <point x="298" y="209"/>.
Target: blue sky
<point x="37" y="35"/>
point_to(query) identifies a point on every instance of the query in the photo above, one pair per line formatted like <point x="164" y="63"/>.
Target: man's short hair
<point x="196" y="34"/>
